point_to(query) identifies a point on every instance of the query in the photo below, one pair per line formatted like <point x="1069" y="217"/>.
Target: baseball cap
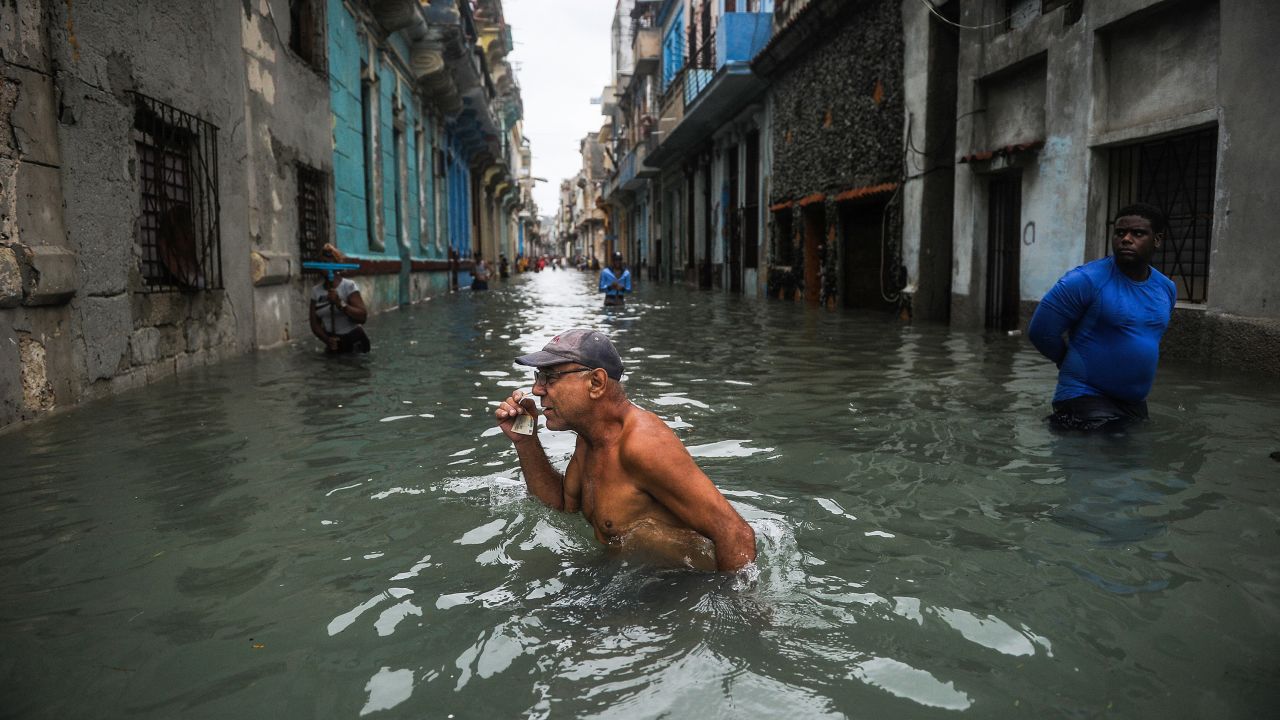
<point x="591" y="348"/>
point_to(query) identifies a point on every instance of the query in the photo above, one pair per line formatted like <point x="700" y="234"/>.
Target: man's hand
<point x="332" y="342"/>
<point x="511" y="408"/>
<point x="333" y="297"/>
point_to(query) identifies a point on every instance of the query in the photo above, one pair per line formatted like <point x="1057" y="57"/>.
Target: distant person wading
<point x="615" y="281"/>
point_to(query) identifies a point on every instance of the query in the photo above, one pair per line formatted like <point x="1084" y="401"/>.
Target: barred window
<point x="1176" y="174"/>
<point x="313" y="212"/>
<point x="178" y="232"/>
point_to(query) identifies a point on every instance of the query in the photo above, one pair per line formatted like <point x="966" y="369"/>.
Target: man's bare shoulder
<point x="646" y="437"/>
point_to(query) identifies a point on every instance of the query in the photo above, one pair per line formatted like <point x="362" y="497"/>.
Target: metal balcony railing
<point x="700" y="67"/>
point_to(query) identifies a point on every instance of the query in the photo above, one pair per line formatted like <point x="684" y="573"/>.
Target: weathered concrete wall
<point x="1030" y="84"/>
<point x="82" y="325"/>
<point x="284" y="97"/>
<point x="1246" y="261"/>
<point x="1125" y="72"/>
<point x="929" y="67"/>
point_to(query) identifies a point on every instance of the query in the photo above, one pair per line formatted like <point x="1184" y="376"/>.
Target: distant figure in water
<point x="337" y="310"/>
<point x="1114" y="312"/>
<point x="480" y="274"/>
<point x="615" y="282"/>
<point x="629" y="475"/>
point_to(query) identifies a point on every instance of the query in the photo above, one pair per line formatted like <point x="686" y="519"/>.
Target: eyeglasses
<point x="544" y="378"/>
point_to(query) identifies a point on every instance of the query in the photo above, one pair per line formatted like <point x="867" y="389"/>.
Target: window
<point x="372" y="154"/>
<point x="178" y="231"/>
<point x="307" y="32"/>
<point x="313" y="212"/>
<point x="1176" y="174"/>
<point x="673" y="50"/>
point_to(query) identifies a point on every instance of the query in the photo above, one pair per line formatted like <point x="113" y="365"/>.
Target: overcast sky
<point x="562" y="62"/>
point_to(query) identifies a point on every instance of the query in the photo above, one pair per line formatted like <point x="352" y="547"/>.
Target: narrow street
<point x="961" y="317"/>
<point x="285" y="536"/>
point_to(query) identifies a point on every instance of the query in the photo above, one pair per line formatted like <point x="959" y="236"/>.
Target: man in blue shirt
<point x="615" y="282"/>
<point x="1114" y="312"/>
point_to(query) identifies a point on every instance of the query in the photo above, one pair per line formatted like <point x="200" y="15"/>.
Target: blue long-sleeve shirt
<point x="607" y="278"/>
<point x="1114" y="324"/>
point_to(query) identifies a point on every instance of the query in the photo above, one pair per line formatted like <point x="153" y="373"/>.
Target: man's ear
<point x="599" y="383"/>
<point x="1156" y="239"/>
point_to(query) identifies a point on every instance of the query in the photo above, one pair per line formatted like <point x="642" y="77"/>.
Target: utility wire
<point x="939" y="15"/>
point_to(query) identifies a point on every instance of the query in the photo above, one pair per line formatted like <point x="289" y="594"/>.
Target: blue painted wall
<point x="347" y="50"/>
<point x="345" y="54"/>
<point x="458" y="176"/>
<point x="673" y="49"/>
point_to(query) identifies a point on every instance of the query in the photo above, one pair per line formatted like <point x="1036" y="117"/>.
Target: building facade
<point x="947" y="161"/>
<point x="160" y="190"/>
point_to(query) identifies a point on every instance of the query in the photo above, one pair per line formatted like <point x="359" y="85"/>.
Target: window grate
<point x="178" y="232"/>
<point x="1176" y="174"/>
<point x="313" y="212"/>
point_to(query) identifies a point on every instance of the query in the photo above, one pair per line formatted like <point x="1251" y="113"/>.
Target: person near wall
<point x="337" y="311"/>
<point x="504" y="267"/>
<point x="615" y="281"/>
<point x="1113" y="312"/>
<point x="480" y="274"/>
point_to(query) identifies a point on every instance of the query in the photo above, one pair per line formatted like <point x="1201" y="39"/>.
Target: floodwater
<point x="290" y="536"/>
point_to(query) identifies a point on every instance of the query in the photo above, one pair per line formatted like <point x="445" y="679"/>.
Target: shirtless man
<point x="629" y="475"/>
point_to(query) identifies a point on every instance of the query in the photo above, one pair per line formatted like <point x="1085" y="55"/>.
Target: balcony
<point x="715" y="83"/>
<point x="646" y="48"/>
<point x="646" y="37"/>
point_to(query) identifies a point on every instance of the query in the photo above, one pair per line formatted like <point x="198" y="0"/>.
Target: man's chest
<point x="1134" y="310"/>
<point x="610" y="500"/>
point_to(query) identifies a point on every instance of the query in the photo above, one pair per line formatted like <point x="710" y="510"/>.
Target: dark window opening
<point x="307" y="31"/>
<point x="1176" y="174"/>
<point x="783" y="242"/>
<point x="178" y="232"/>
<point x="369" y="131"/>
<point x="313" y="212"/>
<point x="751" y="204"/>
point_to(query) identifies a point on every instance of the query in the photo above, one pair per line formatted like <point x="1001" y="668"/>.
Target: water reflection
<point x="303" y="537"/>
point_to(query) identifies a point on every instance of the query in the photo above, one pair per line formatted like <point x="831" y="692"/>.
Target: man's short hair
<point x="1153" y="214"/>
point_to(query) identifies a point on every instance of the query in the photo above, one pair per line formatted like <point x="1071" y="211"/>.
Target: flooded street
<point x="287" y="535"/>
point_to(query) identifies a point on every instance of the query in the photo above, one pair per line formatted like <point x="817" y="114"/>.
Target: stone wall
<point x="837" y="110"/>
<point x="837" y="114"/>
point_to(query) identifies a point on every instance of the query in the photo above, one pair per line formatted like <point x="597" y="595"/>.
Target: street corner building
<point x="939" y="160"/>
<point x="161" y="187"/>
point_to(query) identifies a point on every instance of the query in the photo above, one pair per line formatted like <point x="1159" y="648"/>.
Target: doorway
<point x="733" y="229"/>
<point x="861" y="255"/>
<point x="1004" y="241"/>
<point x="814" y="217"/>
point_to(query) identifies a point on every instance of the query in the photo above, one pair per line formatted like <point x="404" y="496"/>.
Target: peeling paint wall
<point x="285" y="94"/>
<point x="76" y="320"/>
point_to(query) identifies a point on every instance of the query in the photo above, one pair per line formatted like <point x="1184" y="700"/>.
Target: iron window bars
<point x="1176" y="174"/>
<point x="178" y="232"/>
<point x="313" y="212"/>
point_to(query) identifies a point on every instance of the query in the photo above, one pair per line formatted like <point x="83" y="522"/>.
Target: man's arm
<point x="543" y="480"/>
<point x="606" y="280"/>
<point x="355" y="308"/>
<point x="663" y="468"/>
<point x="1058" y="312"/>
